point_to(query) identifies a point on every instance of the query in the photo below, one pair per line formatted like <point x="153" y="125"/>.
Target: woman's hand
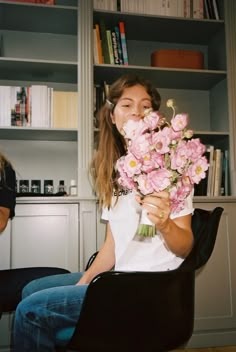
<point x="158" y="208"/>
<point x="176" y="233"/>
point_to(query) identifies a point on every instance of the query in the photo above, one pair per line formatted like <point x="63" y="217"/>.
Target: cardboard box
<point x="174" y="58"/>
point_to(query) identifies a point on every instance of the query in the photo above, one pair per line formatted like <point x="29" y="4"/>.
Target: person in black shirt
<point x="7" y="192"/>
<point x="13" y="280"/>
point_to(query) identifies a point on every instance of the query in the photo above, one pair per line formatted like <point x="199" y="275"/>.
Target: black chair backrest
<point x="205" y="225"/>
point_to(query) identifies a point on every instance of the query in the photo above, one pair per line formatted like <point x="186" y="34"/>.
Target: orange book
<point x="99" y="44"/>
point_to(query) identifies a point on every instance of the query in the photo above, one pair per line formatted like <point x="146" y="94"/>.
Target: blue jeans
<point x="48" y="304"/>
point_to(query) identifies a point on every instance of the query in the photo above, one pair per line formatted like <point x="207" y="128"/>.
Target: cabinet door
<point x="215" y="292"/>
<point x="45" y="235"/>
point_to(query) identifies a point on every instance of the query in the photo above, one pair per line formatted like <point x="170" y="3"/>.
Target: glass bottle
<point x="73" y="188"/>
<point x="61" y="186"/>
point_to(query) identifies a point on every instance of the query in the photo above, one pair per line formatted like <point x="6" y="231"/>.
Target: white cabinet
<point x="42" y="235"/>
<point x="215" y="292"/>
<point x="39" y="235"/>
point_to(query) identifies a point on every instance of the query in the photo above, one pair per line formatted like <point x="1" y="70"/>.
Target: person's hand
<point x="157" y="206"/>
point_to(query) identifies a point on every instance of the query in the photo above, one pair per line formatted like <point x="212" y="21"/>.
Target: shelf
<point x="163" y="29"/>
<point x="163" y="77"/>
<point x="38" y="134"/>
<point x="38" y="18"/>
<point x="38" y="70"/>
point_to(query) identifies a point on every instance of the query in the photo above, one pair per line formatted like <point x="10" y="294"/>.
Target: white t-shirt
<point x="136" y="253"/>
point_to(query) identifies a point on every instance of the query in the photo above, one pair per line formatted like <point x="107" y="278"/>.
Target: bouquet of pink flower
<point x="161" y="155"/>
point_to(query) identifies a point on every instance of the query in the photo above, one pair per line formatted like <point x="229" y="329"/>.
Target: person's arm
<point x="104" y="261"/>
<point x="4" y="216"/>
<point x="177" y="233"/>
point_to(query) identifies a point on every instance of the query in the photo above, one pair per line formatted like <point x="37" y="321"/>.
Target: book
<point x="115" y="47"/>
<point x="110" y="49"/>
<point x="198" y="9"/>
<point x="210" y="158"/>
<point x="104" y="42"/>
<point x="216" y="9"/>
<point x="210" y="8"/>
<point x="217" y="172"/>
<point x="206" y="10"/>
<point x="99" y="45"/>
<point x="225" y="174"/>
<point x="123" y="42"/>
<point x="95" y="47"/>
<point x="65" y="109"/>
<point x="118" y="39"/>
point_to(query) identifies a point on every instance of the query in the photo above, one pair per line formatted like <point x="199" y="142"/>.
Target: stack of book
<point x="110" y="45"/>
<point x="38" y="106"/>
<point x="216" y="182"/>
<point x="176" y="8"/>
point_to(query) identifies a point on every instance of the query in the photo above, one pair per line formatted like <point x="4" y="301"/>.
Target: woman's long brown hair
<point x="111" y="144"/>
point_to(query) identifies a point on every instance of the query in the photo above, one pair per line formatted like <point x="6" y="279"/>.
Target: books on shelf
<point x="211" y="8"/>
<point x="112" y="46"/>
<point x="110" y="5"/>
<point x="216" y="182"/>
<point x="177" y="8"/>
<point x="38" y="106"/>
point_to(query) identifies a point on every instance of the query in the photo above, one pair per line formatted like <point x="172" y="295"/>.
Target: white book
<point x="39" y="106"/>
<point x="5" y="106"/>
<point x="198" y="9"/>
<point x="187" y="9"/>
<point x="95" y="47"/>
<point x="217" y="172"/>
<point x="216" y="10"/>
<point x="210" y="151"/>
<point x="180" y="8"/>
<point x="172" y="8"/>
<point x="226" y="172"/>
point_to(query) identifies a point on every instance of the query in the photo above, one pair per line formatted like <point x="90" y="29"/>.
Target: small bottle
<point x="24" y="186"/>
<point x="73" y="188"/>
<point x="48" y="186"/>
<point x="35" y="186"/>
<point x="61" y="186"/>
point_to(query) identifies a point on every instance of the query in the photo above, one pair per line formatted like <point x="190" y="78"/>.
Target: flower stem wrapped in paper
<point x="161" y="155"/>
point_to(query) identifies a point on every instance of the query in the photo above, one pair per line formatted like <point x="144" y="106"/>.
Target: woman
<point x="57" y="301"/>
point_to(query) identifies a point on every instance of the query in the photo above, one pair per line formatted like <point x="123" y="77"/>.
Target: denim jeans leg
<point x="40" y="315"/>
<point x="51" y="281"/>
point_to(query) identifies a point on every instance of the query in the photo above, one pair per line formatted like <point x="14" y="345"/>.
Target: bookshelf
<point x="40" y="52"/>
<point x="203" y="93"/>
<point x="208" y="95"/>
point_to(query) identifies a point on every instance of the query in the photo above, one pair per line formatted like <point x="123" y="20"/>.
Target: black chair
<point x="143" y="311"/>
<point x="12" y="281"/>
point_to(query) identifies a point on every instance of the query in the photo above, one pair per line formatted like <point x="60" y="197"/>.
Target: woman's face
<point x="131" y="105"/>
